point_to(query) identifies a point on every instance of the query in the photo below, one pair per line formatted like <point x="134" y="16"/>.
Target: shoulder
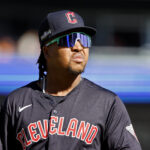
<point x="27" y="89"/>
<point x="20" y="95"/>
<point x="100" y="95"/>
<point x="103" y="97"/>
<point x="97" y="89"/>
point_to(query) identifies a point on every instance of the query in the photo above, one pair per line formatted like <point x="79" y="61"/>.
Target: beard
<point x="76" y="69"/>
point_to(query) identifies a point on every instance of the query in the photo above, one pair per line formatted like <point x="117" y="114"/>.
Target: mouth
<point x="78" y="57"/>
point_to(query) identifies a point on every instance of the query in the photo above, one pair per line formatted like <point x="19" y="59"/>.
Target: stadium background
<point x="119" y="59"/>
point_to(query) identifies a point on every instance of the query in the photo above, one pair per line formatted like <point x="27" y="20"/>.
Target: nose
<point x="78" y="46"/>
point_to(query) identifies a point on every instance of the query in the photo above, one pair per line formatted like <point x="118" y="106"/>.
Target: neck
<point x="60" y="84"/>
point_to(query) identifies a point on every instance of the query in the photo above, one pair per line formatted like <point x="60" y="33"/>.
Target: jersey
<point x="90" y="117"/>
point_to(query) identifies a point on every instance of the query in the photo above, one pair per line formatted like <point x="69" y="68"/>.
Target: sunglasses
<point x="69" y="40"/>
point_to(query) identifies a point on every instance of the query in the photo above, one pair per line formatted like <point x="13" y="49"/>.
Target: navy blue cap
<point x="62" y="22"/>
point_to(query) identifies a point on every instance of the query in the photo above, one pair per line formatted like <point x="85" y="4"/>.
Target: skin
<point x="64" y="67"/>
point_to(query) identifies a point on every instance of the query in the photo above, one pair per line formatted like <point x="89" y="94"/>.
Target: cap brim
<point x="88" y="30"/>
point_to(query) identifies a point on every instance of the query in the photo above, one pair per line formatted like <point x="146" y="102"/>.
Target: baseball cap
<point x="62" y="22"/>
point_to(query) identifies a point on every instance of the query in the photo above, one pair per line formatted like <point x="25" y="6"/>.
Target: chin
<point x="76" y="71"/>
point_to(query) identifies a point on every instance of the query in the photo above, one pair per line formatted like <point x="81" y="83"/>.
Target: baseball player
<point x="62" y="110"/>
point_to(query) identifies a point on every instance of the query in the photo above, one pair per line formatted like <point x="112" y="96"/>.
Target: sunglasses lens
<point x="63" y="41"/>
<point x="70" y="40"/>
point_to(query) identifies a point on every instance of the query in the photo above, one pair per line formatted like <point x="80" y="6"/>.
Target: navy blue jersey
<point x="88" y="118"/>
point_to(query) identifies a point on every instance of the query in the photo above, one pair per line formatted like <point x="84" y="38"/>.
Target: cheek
<point x="64" y="56"/>
<point x="86" y="54"/>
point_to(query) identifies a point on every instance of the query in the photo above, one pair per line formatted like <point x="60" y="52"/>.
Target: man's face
<point x="72" y="59"/>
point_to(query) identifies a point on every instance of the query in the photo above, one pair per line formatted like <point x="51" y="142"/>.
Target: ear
<point x="45" y="52"/>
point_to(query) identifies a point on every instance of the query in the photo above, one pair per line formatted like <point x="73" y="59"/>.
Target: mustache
<point x="78" y="55"/>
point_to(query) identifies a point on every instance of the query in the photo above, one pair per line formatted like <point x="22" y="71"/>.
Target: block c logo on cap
<point x="71" y="17"/>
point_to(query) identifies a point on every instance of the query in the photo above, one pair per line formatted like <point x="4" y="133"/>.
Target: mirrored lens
<point x="70" y="40"/>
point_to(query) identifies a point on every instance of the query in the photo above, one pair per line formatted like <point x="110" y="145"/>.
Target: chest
<point x="80" y="119"/>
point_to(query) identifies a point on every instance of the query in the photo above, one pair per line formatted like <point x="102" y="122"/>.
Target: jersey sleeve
<point x="5" y="131"/>
<point x="119" y="132"/>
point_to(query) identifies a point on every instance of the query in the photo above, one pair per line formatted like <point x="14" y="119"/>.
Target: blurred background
<point x="119" y="58"/>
